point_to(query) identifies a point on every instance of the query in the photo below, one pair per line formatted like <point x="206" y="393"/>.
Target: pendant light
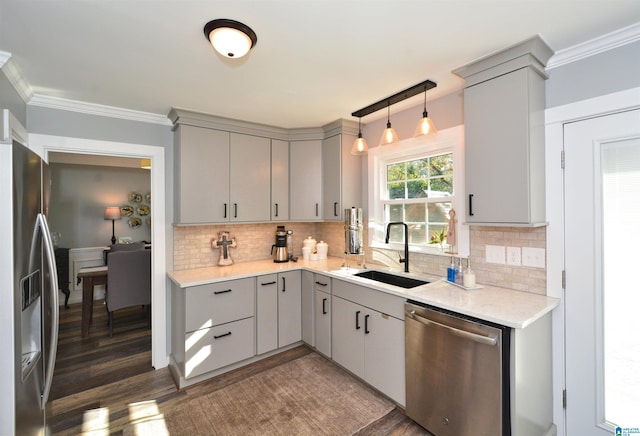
<point x="360" y="145"/>
<point x="425" y="126"/>
<point x="230" y="38"/>
<point x="389" y="136"/>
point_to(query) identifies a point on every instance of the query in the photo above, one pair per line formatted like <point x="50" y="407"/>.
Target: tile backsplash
<point x="192" y="249"/>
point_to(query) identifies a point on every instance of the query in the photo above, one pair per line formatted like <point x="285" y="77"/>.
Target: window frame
<point x="446" y="141"/>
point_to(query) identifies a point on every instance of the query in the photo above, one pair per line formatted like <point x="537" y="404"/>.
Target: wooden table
<point x="90" y="276"/>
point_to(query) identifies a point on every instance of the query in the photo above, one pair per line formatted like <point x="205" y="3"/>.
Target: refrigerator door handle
<point x="53" y="275"/>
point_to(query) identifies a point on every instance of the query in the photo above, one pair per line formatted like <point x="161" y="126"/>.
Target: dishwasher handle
<point x="488" y="340"/>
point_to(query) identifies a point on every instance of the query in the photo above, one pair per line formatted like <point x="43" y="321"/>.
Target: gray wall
<point x="79" y="196"/>
<point x="10" y="99"/>
<point x="605" y="73"/>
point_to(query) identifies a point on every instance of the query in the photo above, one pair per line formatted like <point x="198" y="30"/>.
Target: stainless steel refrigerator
<point x="35" y="293"/>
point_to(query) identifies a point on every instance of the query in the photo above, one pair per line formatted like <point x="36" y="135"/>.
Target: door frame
<point x="43" y="144"/>
<point x="555" y="119"/>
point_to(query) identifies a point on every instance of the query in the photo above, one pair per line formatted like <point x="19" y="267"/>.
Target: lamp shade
<point x="112" y="213"/>
<point x="425" y="126"/>
<point x="230" y="38"/>
<point x="360" y="146"/>
<point x="389" y="136"/>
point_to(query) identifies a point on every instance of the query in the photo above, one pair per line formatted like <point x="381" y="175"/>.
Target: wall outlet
<point x="534" y="257"/>
<point x="513" y="256"/>
<point x="494" y="254"/>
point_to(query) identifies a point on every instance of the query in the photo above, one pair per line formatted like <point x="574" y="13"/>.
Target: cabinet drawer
<point x="322" y="283"/>
<point x="219" y="303"/>
<point x="371" y="298"/>
<point x="218" y="346"/>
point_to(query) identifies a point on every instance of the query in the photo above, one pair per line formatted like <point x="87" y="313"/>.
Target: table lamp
<point x="112" y="213"/>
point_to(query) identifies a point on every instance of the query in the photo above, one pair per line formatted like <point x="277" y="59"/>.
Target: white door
<point x="602" y="241"/>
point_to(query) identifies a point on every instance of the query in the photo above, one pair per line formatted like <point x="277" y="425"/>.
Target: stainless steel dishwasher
<point x="457" y="373"/>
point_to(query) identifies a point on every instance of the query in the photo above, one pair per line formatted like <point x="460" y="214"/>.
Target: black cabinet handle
<point x="222" y="335"/>
<point x="366" y="324"/>
<point x="276" y="209"/>
<point x="225" y="210"/>
<point x="221" y="292"/>
<point x="284" y="284"/>
<point x="324" y="306"/>
<point x="358" y="320"/>
<point x="321" y="284"/>
<point x="316" y="209"/>
<point x="335" y="209"/>
<point x="470" y="204"/>
<point x="235" y="210"/>
<point x="268" y="283"/>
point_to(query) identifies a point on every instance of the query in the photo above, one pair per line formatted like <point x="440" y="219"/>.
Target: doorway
<point x="602" y="353"/>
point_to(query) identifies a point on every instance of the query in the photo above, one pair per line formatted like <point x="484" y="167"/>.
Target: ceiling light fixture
<point x="425" y="126"/>
<point x="230" y="38"/>
<point x="360" y="145"/>
<point x="389" y="135"/>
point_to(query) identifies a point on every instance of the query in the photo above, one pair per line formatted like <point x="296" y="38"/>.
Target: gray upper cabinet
<point x="306" y="180"/>
<point x="279" y="180"/>
<point x="250" y="178"/>
<point x="201" y="159"/>
<point x="341" y="176"/>
<point x="504" y="136"/>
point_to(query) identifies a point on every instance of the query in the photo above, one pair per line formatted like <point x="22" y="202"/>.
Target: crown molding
<point x="15" y="77"/>
<point x="615" y="39"/>
<point x="97" y="109"/>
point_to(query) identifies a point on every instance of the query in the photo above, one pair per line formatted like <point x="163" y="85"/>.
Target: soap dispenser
<point x="469" y="279"/>
<point x="451" y="271"/>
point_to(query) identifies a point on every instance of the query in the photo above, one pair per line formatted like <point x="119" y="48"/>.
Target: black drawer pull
<point x="235" y="210"/>
<point x="284" y="284"/>
<point x="470" y="204"/>
<point x="316" y="209"/>
<point x="222" y="335"/>
<point x="335" y="209"/>
<point x="276" y="209"/>
<point x="221" y="292"/>
<point x="268" y="283"/>
<point x="321" y="284"/>
<point x="324" y="306"/>
<point x="225" y="210"/>
<point x="358" y="320"/>
<point x="366" y="324"/>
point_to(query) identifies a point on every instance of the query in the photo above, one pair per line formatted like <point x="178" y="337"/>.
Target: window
<point x="417" y="184"/>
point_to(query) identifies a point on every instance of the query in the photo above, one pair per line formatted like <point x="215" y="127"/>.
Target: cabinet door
<point x="308" y="308"/>
<point x="305" y="180"/>
<point x="384" y="354"/>
<point x="279" y="180"/>
<point x="289" y="308"/>
<point x="323" y="322"/>
<point x="347" y="335"/>
<point x="267" y="313"/>
<point x="496" y="114"/>
<point x="250" y="178"/>
<point x="202" y="175"/>
<point x="332" y="180"/>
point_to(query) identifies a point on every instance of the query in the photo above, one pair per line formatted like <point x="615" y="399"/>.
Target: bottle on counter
<point x="290" y="243"/>
<point x="451" y="271"/>
<point x="459" y="278"/>
<point x="469" y="279"/>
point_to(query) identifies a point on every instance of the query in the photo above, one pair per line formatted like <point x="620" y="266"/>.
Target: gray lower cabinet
<point x="367" y="341"/>
<point x="279" y="316"/>
<point x="322" y="313"/>
<point x="214" y="325"/>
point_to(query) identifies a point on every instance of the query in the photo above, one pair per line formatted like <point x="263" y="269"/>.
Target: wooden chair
<point x="128" y="281"/>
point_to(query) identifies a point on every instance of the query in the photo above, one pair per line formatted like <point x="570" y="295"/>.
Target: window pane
<point x="417" y="188"/>
<point x="418" y="169"/>
<point x="395" y="172"/>
<point x="396" y="190"/>
<point x="441" y="185"/>
<point x="442" y="164"/>
<point x="439" y="212"/>
<point x="415" y="213"/>
<point x="393" y="212"/>
<point x="417" y="233"/>
<point x="396" y="234"/>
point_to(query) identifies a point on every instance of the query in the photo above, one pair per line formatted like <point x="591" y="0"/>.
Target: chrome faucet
<point x="406" y="242"/>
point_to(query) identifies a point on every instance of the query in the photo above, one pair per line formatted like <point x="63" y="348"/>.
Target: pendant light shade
<point x="389" y="136"/>
<point x="230" y="38"/>
<point x="360" y="145"/>
<point x="425" y="126"/>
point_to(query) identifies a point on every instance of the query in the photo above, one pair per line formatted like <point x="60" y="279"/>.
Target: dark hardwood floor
<point x="106" y="374"/>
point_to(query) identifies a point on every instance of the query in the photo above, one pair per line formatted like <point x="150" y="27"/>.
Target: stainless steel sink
<point x="391" y="279"/>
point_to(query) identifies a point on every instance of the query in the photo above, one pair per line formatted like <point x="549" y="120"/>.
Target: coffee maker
<point x="280" y="247"/>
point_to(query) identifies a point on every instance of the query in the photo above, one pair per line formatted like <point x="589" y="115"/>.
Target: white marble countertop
<point x="503" y="306"/>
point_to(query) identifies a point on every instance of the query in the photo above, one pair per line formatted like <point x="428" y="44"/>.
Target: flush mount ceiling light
<point x="389" y="135"/>
<point x="425" y="126"/>
<point x="230" y="38"/>
<point x="360" y="145"/>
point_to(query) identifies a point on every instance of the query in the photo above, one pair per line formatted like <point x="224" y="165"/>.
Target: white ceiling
<point x="315" y="60"/>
